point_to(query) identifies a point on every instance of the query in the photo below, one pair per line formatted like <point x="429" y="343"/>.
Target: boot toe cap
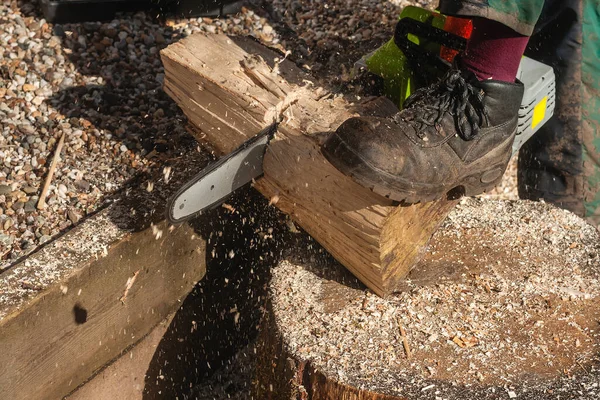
<point x="364" y="140"/>
<point x="380" y="148"/>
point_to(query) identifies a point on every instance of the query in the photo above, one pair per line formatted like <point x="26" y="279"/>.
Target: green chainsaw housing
<point x="390" y="63"/>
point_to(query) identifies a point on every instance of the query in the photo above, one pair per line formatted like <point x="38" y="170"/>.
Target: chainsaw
<point x="421" y="52"/>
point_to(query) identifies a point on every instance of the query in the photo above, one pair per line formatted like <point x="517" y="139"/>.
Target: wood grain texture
<point x="124" y="378"/>
<point x="231" y="88"/>
<point x="59" y="337"/>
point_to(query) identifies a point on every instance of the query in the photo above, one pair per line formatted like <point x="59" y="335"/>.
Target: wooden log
<point x="231" y="88"/>
<point x="124" y="378"/>
<point x="81" y="300"/>
<point x="64" y="333"/>
<point x="504" y="306"/>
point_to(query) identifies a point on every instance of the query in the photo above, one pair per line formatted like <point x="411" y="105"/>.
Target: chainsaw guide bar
<point x="220" y="179"/>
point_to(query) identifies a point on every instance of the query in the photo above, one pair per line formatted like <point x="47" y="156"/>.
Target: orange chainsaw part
<point x="459" y="26"/>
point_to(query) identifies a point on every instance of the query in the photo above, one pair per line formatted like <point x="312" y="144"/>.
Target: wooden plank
<point x="80" y="301"/>
<point x="125" y="377"/>
<point x="230" y="88"/>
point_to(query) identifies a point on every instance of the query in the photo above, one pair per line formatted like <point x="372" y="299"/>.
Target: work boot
<point x="453" y="136"/>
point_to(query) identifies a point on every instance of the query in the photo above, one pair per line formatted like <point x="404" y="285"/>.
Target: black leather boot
<point x="454" y="135"/>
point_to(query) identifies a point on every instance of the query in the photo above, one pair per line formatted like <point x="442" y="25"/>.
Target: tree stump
<point x="504" y="305"/>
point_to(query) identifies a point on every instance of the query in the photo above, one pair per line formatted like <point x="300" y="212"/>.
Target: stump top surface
<point x="505" y="303"/>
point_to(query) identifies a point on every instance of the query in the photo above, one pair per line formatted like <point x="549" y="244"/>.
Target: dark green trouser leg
<point x="520" y="15"/>
<point x="561" y="164"/>
<point x="551" y="163"/>
<point x="590" y="94"/>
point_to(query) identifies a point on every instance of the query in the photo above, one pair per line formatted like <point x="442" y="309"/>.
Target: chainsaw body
<point x="421" y="51"/>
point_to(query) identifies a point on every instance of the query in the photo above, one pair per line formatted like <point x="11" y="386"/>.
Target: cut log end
<point x="504" y="305"/>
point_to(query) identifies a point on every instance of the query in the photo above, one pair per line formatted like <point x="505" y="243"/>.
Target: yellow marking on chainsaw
<point x="539" y="112"/>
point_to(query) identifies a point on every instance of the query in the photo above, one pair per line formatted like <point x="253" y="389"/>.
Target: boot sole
<point x="488" y="176"/>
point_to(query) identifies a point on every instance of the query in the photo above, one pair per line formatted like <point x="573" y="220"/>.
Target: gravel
<point x="100" y="84"/>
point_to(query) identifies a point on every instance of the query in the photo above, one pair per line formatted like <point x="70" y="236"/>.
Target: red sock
<point x="494" y="51"/>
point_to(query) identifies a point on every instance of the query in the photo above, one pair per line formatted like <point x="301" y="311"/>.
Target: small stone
<point x="26" y="129"/>
<point x="54" y="42"/>
<point x="18" y="205"/>
<point x="18" y="194"/>
<point x="66" y="83"/>
<point x="59" y="31"/>
<point x="123" y="35"/>
<point x="5" y="190"/>
<point x="110" y="32"/>
<point x="30" y="206"/>
<point x="6" y="239"/>
<point x="49" y="75"/>
<point x="267" y="30"/>
<point x="148" y="40"/>
<point x="160" y="39"/>
<point x="99" y="47"/>
<point x="44" y="239"/>
<point x="159" y="113"/>
<point x="121" y="44"/>
<point x="82" y="185"/>
<point x="28" y="87"/>
<point x="73" y="217"/>
<point x="29" y="190"/>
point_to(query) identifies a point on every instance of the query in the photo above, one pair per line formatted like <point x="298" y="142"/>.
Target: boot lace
<point x="454" y="95"/>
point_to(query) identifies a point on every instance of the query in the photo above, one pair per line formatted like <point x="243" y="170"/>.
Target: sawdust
<point x="505" y="304"/>
<point x="56" y="261"/>
<point x="508" y="187"/>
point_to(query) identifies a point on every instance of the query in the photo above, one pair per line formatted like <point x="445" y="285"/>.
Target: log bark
<point x="231" y="88"/>
<point x="504" y="306"/>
